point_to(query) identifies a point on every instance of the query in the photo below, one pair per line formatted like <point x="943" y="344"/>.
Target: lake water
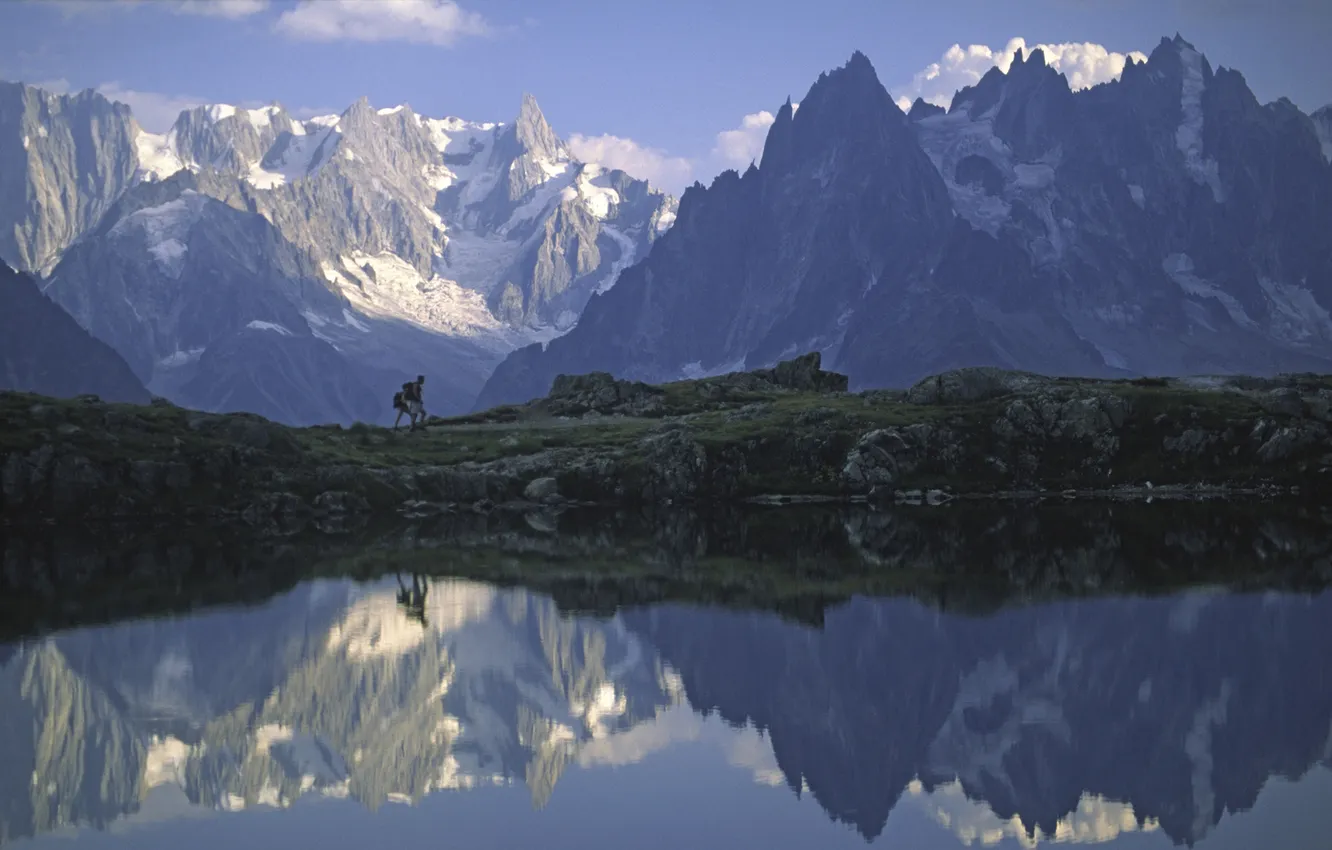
<point x="416" y="709"/>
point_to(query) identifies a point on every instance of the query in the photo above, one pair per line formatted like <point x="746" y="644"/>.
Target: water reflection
<point x="1087" y="720"/>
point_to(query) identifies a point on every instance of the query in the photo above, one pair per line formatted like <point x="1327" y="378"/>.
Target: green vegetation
<point x="727" y="439"/>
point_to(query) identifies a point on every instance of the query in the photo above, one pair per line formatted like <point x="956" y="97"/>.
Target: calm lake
<point x="1138" y="676"/>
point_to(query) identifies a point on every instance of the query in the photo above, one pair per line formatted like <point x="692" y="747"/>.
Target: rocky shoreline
<point x="967" y="557"/>
<point x="782" y="435"/>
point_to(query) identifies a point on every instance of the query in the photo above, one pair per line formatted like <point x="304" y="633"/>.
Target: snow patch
<point x="1189" y="136"/>
<point x="352" y="322"/>
<point x="394" y="288"/>
<point x="218" y="111"/>
<point x="1180" y="269"/>
<point x="165" y="229"/>
<point x="165" y="762"/>
<point x="624" y="261"/>
<point x="1034" y="176"/>
<point x="180" y="358"/>
<point x="261" y="118"/>
<point x="437" y="177"/>
<point x="269" y="326"/>
<point x="1294" y="314"/>
<point x="25" y="143"/>
<point x="392" y="110"/>
<point x="665" y="220"/>
<point x="157" y="156"/>
<point x="594" y="188"/>
<point x="302" y="157"/>
<point x="1323" y="127"/>
<point x="947" y="140"/>
<point x="41" y="132"/>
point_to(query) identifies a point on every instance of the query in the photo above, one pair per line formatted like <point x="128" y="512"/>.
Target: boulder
<point x="877" y="459"/>
<point x="542" y="490"/>
<point x="574" y="395"/>
<point x="804" y="373"/>
<point x="972" y="384"/>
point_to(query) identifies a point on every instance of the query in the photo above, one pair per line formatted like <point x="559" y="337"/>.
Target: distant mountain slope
<point x="43" y="350"/>
<point x="1165" y="223"/>
<point x="212" y="307"/>
<point x="445" y="243"/>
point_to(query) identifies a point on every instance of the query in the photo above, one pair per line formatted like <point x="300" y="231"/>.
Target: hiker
<point x="410" y="401"/>
<point x="413" y="601"/>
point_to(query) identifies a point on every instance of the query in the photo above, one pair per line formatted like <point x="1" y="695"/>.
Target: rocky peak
<point x="534" y="134"/>
<point x="921" y="109"/>
<point x="66" y="158"/>
<point x="777" y="147"/>
<point x="847" y="114"/>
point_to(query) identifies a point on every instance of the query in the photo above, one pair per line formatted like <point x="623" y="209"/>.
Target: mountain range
<point x="1163" y="223"/>
<point x="302" y="269"/>
<point x="1169" y="712"/>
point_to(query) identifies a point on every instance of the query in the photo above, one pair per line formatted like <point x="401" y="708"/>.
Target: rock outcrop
<point x="725" y="439"/>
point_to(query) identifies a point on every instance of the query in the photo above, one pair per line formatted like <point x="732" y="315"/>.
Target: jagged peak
<point x="360" y="106"/>
<point x="533" y="132"/>
<point x="924" y="109"/>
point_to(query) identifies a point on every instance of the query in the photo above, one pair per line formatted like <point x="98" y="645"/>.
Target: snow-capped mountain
<point x="1165" y="223"/>
<point x="333" y="690"/>
<point x="1168" y="712"/>
<point x="407" y="244"/>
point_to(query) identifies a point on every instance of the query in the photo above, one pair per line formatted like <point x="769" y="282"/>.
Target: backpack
<point x="397" y="401"/>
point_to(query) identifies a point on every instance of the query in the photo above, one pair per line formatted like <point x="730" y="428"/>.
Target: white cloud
<point x="154" y="111"/>
<point x="1085" y="64"/>
<point x="744" y="144"/>
<point x="60" y="85"/>
<point x="659" y="168"/>
<point x="439" y="22"/>
<point x="211" y="8"/>
<point x="220" y="8"/>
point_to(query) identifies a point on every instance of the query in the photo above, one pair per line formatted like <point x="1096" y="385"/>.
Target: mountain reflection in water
<point x="1203" y="716"/>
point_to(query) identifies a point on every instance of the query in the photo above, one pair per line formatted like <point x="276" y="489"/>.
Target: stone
<point x="1286" y="442"/>
<point x="340" y="502"/>
<point x="542" y="490"/>
<point x="971" y="384"/>
<point x="1192" y="442"/>
<point x="877" y="459"/>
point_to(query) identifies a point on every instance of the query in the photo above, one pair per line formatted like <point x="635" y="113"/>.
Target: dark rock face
<point x="1132" y="696"/>
<point x="572" y="395"/>
<point x="43" y="350"/>
<point x="1166" y="223"/>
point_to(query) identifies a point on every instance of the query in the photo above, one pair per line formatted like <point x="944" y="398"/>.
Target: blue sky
<point x="673" y="90"/>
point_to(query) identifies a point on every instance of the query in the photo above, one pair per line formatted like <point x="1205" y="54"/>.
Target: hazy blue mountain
<point x="1166" y="223"/>
<point x="43" y="350"/>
